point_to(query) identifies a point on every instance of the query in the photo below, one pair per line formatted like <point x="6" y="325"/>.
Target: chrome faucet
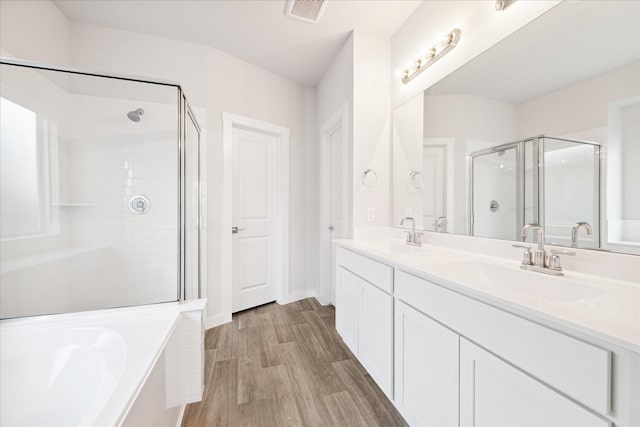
<point x="576" y="228"/>
<point x="413" y="238"/>
<point x="539" y="256"/>
<point x="539" y="261"/>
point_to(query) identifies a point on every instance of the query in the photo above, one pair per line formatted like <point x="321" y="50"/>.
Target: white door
<point x="334" y="221"/>
<point x="375" y="335"/>
<point x="254" y="241"/>
<point x="434" y="191"/>
<point x="494" y="393"/>
<point x="426" y="369"/>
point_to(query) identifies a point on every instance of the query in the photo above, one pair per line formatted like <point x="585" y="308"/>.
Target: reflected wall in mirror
<point x="544" y="127"/>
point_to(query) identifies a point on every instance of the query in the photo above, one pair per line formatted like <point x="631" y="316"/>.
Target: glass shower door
<point x="90" y="191"/>
<point x="495" y="198"/>
<point x="571" y="176"/>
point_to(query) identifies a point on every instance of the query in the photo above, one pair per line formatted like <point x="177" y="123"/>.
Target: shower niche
<point x="100" y="191"/>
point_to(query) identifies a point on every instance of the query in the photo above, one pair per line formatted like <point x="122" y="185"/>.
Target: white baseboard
<point x="297" y="296"/>
<point x="181" y="415"/>
<point x="220" y="319"/>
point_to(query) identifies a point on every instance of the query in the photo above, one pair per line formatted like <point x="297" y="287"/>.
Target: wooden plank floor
<point x="285" y="365"/>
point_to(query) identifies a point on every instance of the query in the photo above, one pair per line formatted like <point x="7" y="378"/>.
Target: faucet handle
<point x="554" y="260"/>
<point x="417" y="238"/>
<point x="409" y="236"/>
<point x="527" y="256"/>
<point x="521" y="247"/>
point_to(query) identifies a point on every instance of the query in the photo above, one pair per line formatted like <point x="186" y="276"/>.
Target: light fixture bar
<point x="503" y="4"/>
<point x="433" y="55"/>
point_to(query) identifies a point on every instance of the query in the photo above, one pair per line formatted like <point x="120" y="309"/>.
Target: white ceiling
<point x="254" y="30"/>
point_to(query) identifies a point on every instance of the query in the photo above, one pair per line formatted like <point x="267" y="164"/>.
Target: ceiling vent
<point x="306" y="10"/>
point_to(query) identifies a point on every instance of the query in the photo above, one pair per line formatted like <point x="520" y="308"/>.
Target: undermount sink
<point x="526" y="283"/>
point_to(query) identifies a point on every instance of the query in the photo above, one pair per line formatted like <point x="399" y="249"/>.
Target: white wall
<point x="336" y="86"/>
<point x="214" y="81"/>
<point x="407" y="156"/>
<point x="334" y="92"/>
<point x="580" y="110"/>
<point x="34" y="30"/>
<point x="371" y="128"/>
<point x="241" y="88"/>
<point x="482" y="27"/>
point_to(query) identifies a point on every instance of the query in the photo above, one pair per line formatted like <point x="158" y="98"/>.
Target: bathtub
<point x="90" y="368"/>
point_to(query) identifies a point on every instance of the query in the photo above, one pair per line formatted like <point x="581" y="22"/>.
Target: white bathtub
<point x="83" y="369"/>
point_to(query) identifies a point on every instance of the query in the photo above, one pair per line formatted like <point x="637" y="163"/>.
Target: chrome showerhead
<point x="135" y="115"/>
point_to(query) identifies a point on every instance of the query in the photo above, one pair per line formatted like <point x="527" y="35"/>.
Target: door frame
<point x="340" y="118"/>
<point x="281" y="215"/>
<point x="449" y="143"/>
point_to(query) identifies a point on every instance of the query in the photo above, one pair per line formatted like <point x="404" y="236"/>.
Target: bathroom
<point x="297" y="212"/>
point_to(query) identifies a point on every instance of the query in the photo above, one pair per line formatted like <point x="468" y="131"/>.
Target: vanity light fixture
<point x="434" y="54"/>
<point x="503" y="4"/>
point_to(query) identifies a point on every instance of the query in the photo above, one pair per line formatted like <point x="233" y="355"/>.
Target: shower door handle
<point x="234" y="230"/>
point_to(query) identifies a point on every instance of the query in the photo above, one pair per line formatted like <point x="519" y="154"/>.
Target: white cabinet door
<point x="347" y="307"/>
<point x="426" y="369"/>
<point x="494" y="393"/>
<point x="375" y="339"/>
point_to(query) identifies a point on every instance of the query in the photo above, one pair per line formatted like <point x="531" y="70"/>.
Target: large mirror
<point x="544" y="127"/>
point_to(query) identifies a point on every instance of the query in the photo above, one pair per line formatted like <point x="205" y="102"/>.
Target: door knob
<point x="331" y="228"/>
<point x="234" y="230"/>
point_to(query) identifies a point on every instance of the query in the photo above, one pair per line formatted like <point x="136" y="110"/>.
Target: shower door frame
<point x="537" y="181"/>
<point x="184" y="112"/>
<point x="518" y="146"/>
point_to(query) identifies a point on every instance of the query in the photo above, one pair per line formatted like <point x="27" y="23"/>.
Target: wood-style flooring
<point x="285" y="365"/>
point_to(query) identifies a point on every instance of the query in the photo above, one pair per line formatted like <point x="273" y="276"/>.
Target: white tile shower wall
<point x="184" y="360"/>
<point x="110" y="161"/>
<point x="104" y="255"/>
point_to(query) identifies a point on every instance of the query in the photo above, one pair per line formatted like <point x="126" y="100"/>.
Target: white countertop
<point x="605" y="309"/>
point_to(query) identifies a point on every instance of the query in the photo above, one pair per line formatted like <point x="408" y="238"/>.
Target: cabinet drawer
<point x="580" y="370"/>
<point x="374" y="272"/>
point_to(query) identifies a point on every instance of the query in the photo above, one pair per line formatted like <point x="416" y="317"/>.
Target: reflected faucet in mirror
<point x="576" y="228"/>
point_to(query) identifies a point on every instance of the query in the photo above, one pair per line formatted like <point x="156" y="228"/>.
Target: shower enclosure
<point x="100" y="191"/>
<point x="544" y="180"/>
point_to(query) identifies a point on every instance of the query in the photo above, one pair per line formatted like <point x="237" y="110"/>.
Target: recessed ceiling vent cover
<point x="306" y="10"/>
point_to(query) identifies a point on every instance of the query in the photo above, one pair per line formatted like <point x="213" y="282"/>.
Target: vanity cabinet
<point x="494" y="393"/>
<point x="347" y="304"/>
<point x="426" y="369"/>
<point x="364" y="315"/>
<point x="448" y="358"/>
